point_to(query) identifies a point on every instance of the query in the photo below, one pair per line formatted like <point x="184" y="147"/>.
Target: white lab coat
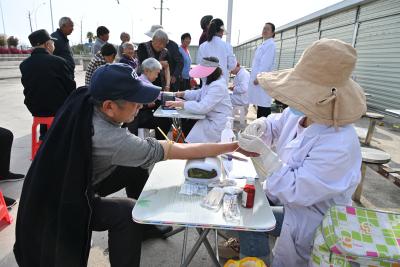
<point x="321" y="167"/>
<point x="239" y="96"/>
<point x="213" y="101"/>
<point x="263" y="61"/>
<point x="221" y="50"/>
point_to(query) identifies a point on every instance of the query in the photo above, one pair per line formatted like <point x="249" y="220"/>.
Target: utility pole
<point x="229" y="22"/>
<point x="81" y="32"/>
<point x="2" y="18"/>
<point x="51" y="14"/>
<point x="30" y="20"/>
<point x="161" y="10"/>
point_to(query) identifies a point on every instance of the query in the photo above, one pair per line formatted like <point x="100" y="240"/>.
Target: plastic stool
<point x="4" y="215"/>
<point x="35" y="141"/>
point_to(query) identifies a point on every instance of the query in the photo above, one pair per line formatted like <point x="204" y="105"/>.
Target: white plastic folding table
<point x="161" y="203"/>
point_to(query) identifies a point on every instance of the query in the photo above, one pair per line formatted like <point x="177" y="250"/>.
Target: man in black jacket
<point x="62" y="48"/>
<point x="46" y="78"/>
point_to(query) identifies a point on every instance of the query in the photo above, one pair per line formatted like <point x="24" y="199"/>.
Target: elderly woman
<point x="128" y="55"/>
<point x="156" y="49"/>
<point x="316" y="143"/>
<point x="151" y="68"/>
<point x="212" y="100"/>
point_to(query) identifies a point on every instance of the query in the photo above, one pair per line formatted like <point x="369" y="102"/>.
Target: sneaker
<point x="10" y="202"/>
<point x="12" y="177"/>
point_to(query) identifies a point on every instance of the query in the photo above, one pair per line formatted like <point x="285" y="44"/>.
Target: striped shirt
<point x="96" y="62"/>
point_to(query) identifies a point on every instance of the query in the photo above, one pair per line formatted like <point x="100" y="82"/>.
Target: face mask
<point x="296" y="112"/>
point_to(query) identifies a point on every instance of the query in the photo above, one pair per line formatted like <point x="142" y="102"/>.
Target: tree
<point x="90" y="36"/>
<point x="12" y="41"/>
<point x="3" y="40"/>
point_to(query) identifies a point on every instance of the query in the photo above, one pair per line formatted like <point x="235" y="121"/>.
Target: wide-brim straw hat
<point x="320" y="84"/>
<point x="153" y="29"/>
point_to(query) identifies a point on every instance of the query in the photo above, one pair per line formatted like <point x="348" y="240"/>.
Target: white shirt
<point x="221" y="50"/>
<point x="239" y="96"/>
<point x="213" y="101"/>
<point x="263" y="61"/>
<point x="321" y="167"/>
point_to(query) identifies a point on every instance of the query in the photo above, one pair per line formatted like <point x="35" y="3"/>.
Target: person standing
<point x="61" y="44"/>
<point x="216" y="47"/>
<point x="46" y="78"/>
<point x="125" y="37"/>
<point x="204" y="22"/>
<point x="263" y="61"/>
<point x="187" y="61"/>
<point x="101" y="39"/>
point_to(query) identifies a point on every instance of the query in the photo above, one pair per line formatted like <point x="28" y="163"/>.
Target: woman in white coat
<point x="263" y="61"/>
<point x="212" y="100"/>
<point x="316" y="143"/>
<point x="216" y="47"/>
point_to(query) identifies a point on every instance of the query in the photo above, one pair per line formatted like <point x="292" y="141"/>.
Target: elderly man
<point x="156" y="48"/>
<point x="239" y="95"/>
<point x="102" y="38"/>
<point x="124" y="37"/>
<point x="86" y="157"/>
<point x="61" y="44"/>
<point x="46" y="78"/>
<point x="128" y="55"/>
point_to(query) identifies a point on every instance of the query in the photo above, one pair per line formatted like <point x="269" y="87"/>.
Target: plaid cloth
<point x="96" y="62"/>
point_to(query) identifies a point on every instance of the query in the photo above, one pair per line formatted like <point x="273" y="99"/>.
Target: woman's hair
<point x="214" y="76"/>
<point x="272" y="27"/>
<point x="151" y="64"/>
<point x="214" y="28"/>
<point x="160" y="35"/>
<point x="205" y="21"/>
<point x="185" y="35"/>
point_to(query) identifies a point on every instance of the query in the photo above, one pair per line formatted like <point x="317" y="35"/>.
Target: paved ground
<point x="378" y="191"/>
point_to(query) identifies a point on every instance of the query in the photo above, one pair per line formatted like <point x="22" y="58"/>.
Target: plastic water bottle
<point x="227" y="134"/>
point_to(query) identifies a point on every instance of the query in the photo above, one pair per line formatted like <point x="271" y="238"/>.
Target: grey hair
<point x="63" y="21"/>
<point x="99" y="103"/>
<point x="161" y="35"/>
<point x="126" y="44"/>
<point x="151" y="64"/>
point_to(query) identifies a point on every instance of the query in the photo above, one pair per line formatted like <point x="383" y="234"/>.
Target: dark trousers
<point x="187" y="125"/>
<point x="115" y="214"/>
<point x="6" y="140"/>
<point x="263" y="111"/>
<point x="184" y="84"/>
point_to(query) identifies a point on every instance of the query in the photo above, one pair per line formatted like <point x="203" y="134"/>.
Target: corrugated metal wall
<point x="371" y="26"/>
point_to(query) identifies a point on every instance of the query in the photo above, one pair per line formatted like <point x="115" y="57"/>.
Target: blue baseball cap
<point x="119" y="81"/>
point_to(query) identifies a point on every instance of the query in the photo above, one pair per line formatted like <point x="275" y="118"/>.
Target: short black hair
<point x="108" y="50"/>
<point x="101" y="30"/>
<point x="185" y="35"/>
<point x="272" y="27"/>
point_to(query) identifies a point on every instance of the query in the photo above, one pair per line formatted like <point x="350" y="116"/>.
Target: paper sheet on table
<point x="169" y="112"/>
<point x="240" y="170"/>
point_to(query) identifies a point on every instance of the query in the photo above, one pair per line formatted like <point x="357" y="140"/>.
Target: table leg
<point x="216" y="244"/>
<point x="209" y="248"/>
<point x="185" y="234"/>
<point x="358" y="192"/>
<point x="195" y="248"/>
<point x="173" y="232"/>
<point x="370" y="132"/>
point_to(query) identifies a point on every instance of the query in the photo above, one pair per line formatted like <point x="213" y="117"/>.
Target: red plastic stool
<point x="35" y="141"/>
<point x="4" y="215"/>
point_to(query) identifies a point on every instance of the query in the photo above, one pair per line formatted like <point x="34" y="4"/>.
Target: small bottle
<point x="249" y="193"/>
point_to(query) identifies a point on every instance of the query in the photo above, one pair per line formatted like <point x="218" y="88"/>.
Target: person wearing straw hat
<point x="212" y="100"/>
<point x="316" y="143"/>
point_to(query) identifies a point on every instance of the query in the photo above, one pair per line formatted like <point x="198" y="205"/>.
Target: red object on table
<point x="35" y="141"/>
<point x="4" y="215"/>
<point x="249" y="193"/>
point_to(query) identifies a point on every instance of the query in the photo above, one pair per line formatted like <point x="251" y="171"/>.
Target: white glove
<point x="256" y="128"/>
<point x="252" y="143"/>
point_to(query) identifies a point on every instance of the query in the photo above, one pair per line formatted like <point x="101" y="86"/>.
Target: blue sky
<point x="136" y="17"/>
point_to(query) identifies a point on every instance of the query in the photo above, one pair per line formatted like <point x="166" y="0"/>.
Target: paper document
<point x="169" y="112"/>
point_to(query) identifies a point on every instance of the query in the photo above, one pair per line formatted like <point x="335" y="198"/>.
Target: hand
<point x="255" y="82"/>
<point x="164" y="64"/>
<point x="180" y="94"/>
<point x="173" y="79"/>
<point x="256" y="128"/>
<point x="175" y="104"/>
<point x="247" y="153"/>
<point x="179" y="99"/>
<point x="166" y="88"/>
<point x="251" y="143"/>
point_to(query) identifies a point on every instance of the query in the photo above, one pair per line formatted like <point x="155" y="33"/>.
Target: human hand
<point x="166" y="88"/>
<point x="175" y="104"/>
<point x="180" y="94"/>
<point x="251" y="143"/>
<point x="256" y="127"/>
<point x="247" y="153"/>
<point x="164" y="64"/>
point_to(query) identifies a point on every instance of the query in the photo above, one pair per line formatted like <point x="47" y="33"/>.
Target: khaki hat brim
<point x="295" y="91"/>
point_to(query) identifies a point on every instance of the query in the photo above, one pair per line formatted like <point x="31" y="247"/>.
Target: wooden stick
<point x="165" y="136"/>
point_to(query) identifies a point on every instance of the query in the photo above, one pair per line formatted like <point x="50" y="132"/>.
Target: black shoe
<point x="12" y="177"/>
<point x="10" y="202"/>
<point x="156" y="231"/>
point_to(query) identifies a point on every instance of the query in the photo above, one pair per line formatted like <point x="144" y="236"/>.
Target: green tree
<point x="12" y="41"/>
<point x="3" y="40"/>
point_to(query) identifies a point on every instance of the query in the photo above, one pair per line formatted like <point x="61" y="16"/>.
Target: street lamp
<point x="42" y="4"/>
